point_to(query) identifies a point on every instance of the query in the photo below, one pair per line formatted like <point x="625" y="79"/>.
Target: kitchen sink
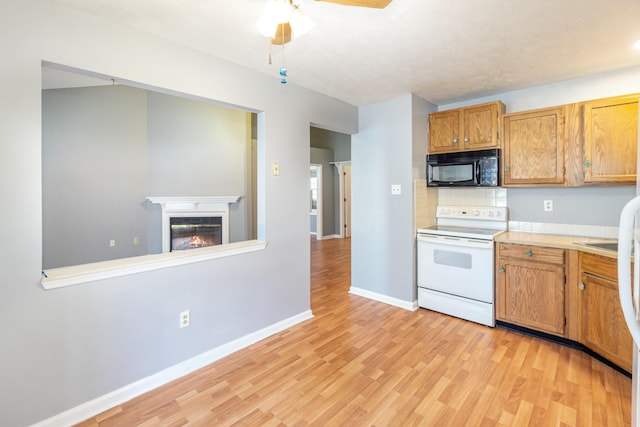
<point x="607" y="246"/>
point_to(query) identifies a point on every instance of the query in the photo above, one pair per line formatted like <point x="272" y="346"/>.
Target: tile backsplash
<point x="473" y="196"/>
<point x="596" y="231"/>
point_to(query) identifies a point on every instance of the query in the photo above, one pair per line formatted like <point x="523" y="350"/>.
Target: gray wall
<point x="383" y="240"/>
<point x="64" y="347"/>
<point x="94" y="174"/>
<point x="107" y="148"/>
<point x="339" y="143"/>
<point x="583" y="206"/>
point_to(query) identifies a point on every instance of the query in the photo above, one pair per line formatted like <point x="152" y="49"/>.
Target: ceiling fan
<point x="377" y="4"/>
<point x="281" y="16"/>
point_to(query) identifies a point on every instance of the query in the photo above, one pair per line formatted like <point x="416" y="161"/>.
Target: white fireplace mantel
<point x="193" y="206"/>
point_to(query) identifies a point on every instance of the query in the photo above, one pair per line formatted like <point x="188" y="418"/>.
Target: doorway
<point x="332" y="150"/>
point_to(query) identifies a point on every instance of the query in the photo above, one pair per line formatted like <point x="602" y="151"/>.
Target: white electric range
<point x="456" y="262"/>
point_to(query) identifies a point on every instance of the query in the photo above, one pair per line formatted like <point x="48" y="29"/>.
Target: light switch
<point x="396" y="189"/>
<point x="275" y="169"/>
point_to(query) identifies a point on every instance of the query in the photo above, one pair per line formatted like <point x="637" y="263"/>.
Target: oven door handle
<point x="455" y="241"/>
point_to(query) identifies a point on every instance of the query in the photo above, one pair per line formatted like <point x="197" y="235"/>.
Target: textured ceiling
<point x="441" y="50"/>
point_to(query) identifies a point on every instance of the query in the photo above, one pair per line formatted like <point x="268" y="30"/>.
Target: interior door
<point x="347" y="201"/>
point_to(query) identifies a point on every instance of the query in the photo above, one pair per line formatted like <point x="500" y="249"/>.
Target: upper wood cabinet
<point x="533" y="148"/>
<point x="610" y="140"/>
<point x="465" y="129"/>
<point x="584" y="143"/>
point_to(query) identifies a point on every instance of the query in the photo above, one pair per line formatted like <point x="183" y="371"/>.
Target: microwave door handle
<point x="477" y="168"/>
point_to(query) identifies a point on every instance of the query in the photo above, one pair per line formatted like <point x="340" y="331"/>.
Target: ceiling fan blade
<point x="378" y="4"/>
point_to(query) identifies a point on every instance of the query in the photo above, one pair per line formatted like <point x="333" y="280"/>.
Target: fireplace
<point x="194" y="232"/>
<point x="194" y="222"/>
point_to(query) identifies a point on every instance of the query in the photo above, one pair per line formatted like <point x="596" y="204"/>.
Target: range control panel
<point x="486" y="213"/>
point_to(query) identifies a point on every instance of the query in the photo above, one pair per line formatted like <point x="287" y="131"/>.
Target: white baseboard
<point x="411" y="306"/>
<point x="331" y="236"/>
<point x="128" y="392"/>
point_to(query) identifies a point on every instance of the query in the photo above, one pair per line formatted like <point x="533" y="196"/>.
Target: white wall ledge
<point x="78" y="274"/>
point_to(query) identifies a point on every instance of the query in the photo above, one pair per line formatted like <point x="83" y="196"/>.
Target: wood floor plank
<point x="360" y="362"/>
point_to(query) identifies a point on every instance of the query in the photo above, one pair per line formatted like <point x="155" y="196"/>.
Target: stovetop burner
<point x="471" y="222"/>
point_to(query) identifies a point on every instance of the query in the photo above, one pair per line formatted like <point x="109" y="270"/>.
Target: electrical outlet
<point x="112" y="243"/>
<point x="275" y="169"/>
<point x="396" y="189"/>
<point x="548" y="205"/>
<point x="136" y="240"/>
<point x="185" y="319"/>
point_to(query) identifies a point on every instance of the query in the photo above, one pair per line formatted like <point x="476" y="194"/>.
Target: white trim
<point x="94" y="407"/>
<point x="411" y="306"/>
<point x="331" y="236"/>
<point x="78" y="274"/>
<point x="318" y="212"/>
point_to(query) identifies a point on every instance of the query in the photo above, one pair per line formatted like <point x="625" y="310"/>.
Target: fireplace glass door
<point x="195" y="232"/>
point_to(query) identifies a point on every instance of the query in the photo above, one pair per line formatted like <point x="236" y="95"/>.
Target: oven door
<point x="457" y="266"/>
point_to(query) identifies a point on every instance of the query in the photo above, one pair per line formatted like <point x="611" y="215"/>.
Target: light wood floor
<point x="363" y="363"/>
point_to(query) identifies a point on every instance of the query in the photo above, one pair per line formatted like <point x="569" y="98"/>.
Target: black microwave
<point x="464" y="169"/>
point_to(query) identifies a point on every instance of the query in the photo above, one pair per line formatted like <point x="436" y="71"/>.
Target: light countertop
<point x="556" y="241"/>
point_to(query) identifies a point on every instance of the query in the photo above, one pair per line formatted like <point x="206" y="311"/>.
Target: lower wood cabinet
<point x="602" y="325"/>
<point x="530" y="287"/>
<point x="570" y="294"/>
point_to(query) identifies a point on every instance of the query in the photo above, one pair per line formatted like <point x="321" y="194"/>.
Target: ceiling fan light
<point x="279" y="10"/>
<point x="283" y="34"/>
<point x="275" y="12"/>
<point x="267" y="26"/>
<point x="300" y="24"/>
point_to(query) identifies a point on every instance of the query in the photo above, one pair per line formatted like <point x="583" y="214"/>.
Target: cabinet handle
<point x="529" y="253"/>
<point x="587" y="164"/>
<point x="501" y="270"/>
<point x="455" y="140"/>
<point x="466" y="139"/>
<point x="581" y="286"/>
<point x="506" y="168"/>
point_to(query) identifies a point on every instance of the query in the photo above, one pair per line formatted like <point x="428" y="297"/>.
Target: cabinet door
<point x="611" y="140"/>
<point x="603" y="326"/>
<point x="480" y="127"/>
<point x="534" y="147"/>
<point x="531" y="295"/>
<point x="444" y="130"/>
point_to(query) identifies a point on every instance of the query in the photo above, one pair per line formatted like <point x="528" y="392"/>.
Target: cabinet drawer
<point x="599" y="266"/>
<point x="532" y="253"/>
